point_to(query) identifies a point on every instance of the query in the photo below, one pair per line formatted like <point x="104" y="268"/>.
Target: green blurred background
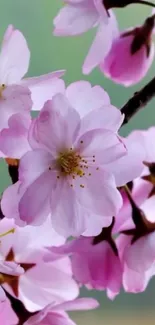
<point x="48" y="53"/>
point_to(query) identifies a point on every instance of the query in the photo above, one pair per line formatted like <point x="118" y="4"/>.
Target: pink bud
<point x="131" y="55"/>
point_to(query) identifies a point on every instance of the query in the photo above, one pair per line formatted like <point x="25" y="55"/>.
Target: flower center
<point x="68" y="163"/>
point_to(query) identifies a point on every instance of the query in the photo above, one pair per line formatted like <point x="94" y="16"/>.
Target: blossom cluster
<point x="80" y="209"/>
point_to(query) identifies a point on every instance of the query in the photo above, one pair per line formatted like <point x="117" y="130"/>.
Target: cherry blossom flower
<point x="68" y="167"/>
<point x="77" y="17"/>
<point x="42" y="283"/>
<point x="14" y="62"/>
<point x="56" y="314"/>
<point x="72" y="164"/>
<point x="131" y="55"/>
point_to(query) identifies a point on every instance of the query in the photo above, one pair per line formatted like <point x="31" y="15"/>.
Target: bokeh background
<point x="48" y="53"/>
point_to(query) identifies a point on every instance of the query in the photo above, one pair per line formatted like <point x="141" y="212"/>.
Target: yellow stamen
<point x="2" y="87"/>
<point x="11" y="231"/>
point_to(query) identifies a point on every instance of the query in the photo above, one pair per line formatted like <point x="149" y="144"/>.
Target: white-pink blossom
<point x="66" y="172"/>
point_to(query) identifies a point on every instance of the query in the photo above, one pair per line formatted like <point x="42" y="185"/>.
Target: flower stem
<point x="123" y="3"/>
<point x="139" y="100"/>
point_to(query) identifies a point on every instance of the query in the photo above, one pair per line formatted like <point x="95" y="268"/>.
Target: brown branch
<point x="139" y="100"/>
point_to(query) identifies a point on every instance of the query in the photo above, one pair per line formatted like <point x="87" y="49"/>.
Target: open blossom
<point x="66" y="172"/>
<point x="72" y="166"/>
<point x="14" y="62"/>
<point x="42" y="283"/>
<point x="56" y="314"/>
<point x="131" y="55"/>
<point x="77" y="17"/>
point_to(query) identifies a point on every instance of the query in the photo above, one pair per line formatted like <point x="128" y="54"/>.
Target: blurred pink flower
<point x="56" y="314"/>
<point x="77" y="17"/>
<point x="131" y="55"/>
<point x="42" y="283"/>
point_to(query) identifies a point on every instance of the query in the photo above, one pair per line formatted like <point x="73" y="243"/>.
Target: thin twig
<point x="139" y="100"/>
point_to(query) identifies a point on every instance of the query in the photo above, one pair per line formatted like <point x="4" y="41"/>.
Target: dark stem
<point x="139" y="100"/>
<point x="123" y="3"/>
<point x="147" y="3"/>
<point x="13" y="172"/>
<point x="20" y="310"/>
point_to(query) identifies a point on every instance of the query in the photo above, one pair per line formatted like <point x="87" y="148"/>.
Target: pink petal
<point x="34" y="204"/>
<point x="148" y="208"/>
<point x="44" y="317"/>
<point x="15" y="99"/>
<point x="51" y="239"/>
<point x="9" y="203"/>
<point x="2" y="296"/>
<point x="85" y="98"/>
<point x="95" y="224"/>
<point x="74" y="20"/>
<point x="104" y="117"/>
<point x="14" y="139"/>
<point x="101" y="10"/>
<point x="141" y="255"/>
<point x="78" y="304"/>
<point x="47" y="283"/>
<point x="99" y="194"/>
<point x="14" y="57"/>
<point x="12" y="268"/>
<point x="33" y="164"/>
<point x="44" y="87"/>
<point x="53" y="123"/>
<point x="131" y="165"/>
<point x="135" y="282"/>
<point x="104" y="144"/>
<point x="101" y="44"/>
<point x="149" y="144"/>
<point x="68" y="217"/>
<point x="7" y="315"/>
